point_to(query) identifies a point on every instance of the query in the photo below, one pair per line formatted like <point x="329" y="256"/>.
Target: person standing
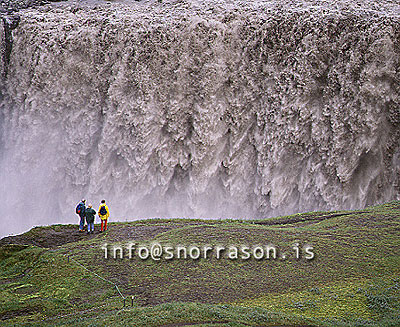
<point x="103" y="213"/>
<point x="89" y="214"/>
<point x="80" y="210"/>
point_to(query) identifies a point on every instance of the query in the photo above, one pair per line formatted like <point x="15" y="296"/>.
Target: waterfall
<point x="200" y="109"/>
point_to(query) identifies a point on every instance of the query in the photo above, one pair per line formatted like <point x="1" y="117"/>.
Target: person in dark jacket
<point x="90" y="213"/>
<point x="80" y="210"/>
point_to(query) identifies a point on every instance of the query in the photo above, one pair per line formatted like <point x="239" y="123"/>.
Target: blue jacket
<point x="83" y="209"/>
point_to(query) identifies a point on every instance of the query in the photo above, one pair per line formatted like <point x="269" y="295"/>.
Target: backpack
<point x="103" y="211"/>
<point x="78" y="208"/>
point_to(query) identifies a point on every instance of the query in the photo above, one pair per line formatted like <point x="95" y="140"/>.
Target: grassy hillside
<point x="55" y="276"/>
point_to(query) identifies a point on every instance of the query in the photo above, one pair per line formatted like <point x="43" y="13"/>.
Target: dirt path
<point x="54" y="236"/>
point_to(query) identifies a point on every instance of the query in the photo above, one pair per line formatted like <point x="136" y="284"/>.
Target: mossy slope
<point x="52" y="275"/>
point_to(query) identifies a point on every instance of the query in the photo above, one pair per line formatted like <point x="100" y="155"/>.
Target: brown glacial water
<point x="199" y="109"/>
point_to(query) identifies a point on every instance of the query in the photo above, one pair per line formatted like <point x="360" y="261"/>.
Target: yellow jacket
<point x="103" y="217"/>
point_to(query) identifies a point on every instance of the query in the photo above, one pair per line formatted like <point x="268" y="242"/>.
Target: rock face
<point x="10" y="22"/>
<point x="207" y="109"/>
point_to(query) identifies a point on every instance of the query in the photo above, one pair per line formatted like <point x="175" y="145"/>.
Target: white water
<point x="200" y="109"/>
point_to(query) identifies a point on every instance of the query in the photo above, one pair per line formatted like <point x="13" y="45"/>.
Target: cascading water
<point x="200" y="109"/>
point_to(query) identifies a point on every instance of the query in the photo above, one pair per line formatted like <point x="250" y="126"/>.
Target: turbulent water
<point x="200" y="109"/>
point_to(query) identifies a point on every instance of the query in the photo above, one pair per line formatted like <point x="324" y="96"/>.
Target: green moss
<point x="348" y="283"/>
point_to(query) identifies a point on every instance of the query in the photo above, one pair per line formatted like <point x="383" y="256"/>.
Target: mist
<point x="201" y="110"/>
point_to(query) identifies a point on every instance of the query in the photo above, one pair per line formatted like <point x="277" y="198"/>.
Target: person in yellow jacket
<point x="103" y="213"/>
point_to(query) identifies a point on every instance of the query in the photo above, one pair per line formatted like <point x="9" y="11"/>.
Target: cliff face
<point x="189" y="109"/>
